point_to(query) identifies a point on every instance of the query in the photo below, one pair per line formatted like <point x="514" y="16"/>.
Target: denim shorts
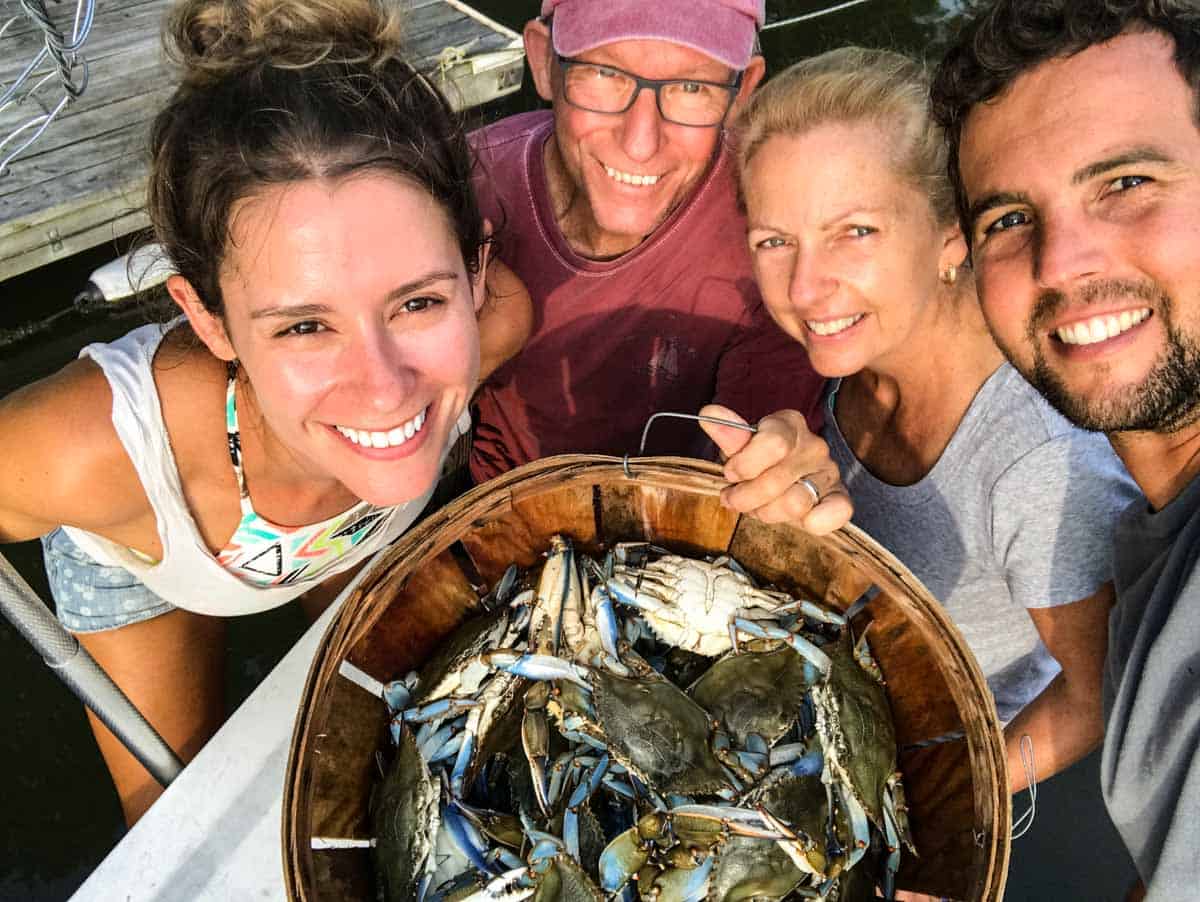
<point x="90" y="597"/>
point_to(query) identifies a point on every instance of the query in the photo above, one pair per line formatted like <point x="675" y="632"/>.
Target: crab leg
<point x="557" y="773"/>
<point x="802" y="646"/>
<point x="588" y="784"/>
<point x="684" y="885"/>
<point x="812" y="611"/>
<point x="466" y="751"/>
<point x="606" y="621"/>
<point x="397" y="694"/>
<point x="466" y="837"/>
<point x="802" y="763"/>
<point x="536" y="667"/>
<point x="508" y="582"/>
<point x="743" y="821"/>
<point x="511" y="886"/>
<point x="894" y="801"/>
<point x="622" y="859"/>
<point x="892" y="863"/>
<point x="446" y="707"/>
<point x="440" y="744"/>
<point x="794" y="845"/>
<point x="860" y="827"/>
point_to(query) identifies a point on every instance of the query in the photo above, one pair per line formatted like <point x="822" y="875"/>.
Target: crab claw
<point x="536" y="667"/>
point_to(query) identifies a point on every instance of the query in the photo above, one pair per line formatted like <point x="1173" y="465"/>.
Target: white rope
<point x="70" y="69"/>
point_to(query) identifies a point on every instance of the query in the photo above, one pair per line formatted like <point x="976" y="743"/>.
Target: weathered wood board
<point x="82" y="182"/>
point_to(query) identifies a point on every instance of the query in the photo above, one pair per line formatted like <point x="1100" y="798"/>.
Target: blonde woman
<point x="952" y="461"/>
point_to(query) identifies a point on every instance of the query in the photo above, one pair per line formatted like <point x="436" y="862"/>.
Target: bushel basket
<point x="957" y="788"/>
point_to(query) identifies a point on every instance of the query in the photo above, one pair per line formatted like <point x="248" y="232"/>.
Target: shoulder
<point x="1012" y="421"/>
<point x="508" y="137"/>
<point x="191" y="386"/>
<point x="64" y="462"/>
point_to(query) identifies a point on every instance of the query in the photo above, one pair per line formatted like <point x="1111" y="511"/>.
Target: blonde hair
<point x="854" y="85"/>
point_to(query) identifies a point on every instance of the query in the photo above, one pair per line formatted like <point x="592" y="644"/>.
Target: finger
<point x="783" y="439"/>
<point x="728" y="439"/>
<point x="779" y="482"/>
<point x="776" y="485"/>
<point x="835" y="511"/>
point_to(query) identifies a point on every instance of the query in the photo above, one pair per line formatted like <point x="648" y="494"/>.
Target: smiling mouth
<point x="833" y="326"/>
<point x="391" y="438"/>
<point x="1100" y="328"/>
<point x="629" y="178"/>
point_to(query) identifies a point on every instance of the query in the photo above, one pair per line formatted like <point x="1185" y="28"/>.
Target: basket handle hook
<point x="680" y="416"/>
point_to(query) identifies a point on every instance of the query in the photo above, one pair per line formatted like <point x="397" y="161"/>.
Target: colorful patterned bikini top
<point x="263" y="554"/>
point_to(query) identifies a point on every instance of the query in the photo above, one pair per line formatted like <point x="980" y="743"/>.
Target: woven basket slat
<point x="344" y="762"/>
<point x="792" y="561"/>
<point x="409" y="618"/>
<point x="949" y="838"/>
<point x="692" y="523"/>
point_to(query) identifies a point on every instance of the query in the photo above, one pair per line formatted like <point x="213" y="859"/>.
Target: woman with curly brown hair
<point x="313" y="193"/>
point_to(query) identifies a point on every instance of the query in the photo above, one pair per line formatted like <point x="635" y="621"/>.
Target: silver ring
<point x="812" y="488"/>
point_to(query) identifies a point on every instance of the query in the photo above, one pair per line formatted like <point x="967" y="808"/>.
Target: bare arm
<point x="63" y="461"/>
<point x="505" y="319"/>
<point x="1066" y="721"/>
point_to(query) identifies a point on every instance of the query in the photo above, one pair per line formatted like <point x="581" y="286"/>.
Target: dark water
<point x="61" y="815"/>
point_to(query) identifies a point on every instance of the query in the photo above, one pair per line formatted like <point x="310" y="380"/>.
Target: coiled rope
<point x="68" y="67"/>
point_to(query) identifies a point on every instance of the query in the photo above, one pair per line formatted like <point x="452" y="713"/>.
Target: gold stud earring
<point x="949" y="275"/>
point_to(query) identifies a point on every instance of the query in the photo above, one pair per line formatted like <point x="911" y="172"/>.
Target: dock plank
<point x="83" y="181"/>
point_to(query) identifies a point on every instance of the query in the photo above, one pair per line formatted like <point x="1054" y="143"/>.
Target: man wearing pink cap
<point x="618" y="209"/>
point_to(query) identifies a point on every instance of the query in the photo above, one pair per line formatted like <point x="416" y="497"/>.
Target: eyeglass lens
<point x="604" y="90"/>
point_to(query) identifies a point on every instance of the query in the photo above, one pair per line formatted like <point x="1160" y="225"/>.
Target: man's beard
<point x="1164" y="402"/>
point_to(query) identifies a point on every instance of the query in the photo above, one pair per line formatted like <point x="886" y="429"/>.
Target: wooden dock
<point x="82" y="182"/>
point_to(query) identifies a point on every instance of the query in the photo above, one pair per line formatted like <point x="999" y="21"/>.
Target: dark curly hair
<point x="274" y="91"/>
<point x="1008" y="38"/>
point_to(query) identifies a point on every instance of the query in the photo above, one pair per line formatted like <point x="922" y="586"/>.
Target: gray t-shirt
<point x="1017" y="513"/>
<point x="1150" y="768"/>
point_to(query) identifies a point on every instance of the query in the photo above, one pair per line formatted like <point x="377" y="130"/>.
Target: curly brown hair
<point x="1007" y="38"/>
<point x="275" y="91"/>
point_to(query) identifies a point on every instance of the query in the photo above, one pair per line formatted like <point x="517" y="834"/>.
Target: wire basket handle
<point x="748" y="427"/>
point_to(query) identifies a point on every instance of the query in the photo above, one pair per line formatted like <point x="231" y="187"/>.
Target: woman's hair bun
<point x="210" y="39"/>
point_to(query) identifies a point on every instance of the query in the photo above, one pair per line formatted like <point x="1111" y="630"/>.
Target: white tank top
<point x="189" y="576"/>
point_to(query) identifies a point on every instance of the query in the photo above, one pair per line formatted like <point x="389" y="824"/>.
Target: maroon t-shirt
<point x="673" y="324"/>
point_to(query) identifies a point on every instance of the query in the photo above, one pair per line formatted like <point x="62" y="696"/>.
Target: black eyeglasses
<point x="684" y="101"/>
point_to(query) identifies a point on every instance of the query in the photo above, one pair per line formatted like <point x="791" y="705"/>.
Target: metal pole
<point x="65" y="656"/>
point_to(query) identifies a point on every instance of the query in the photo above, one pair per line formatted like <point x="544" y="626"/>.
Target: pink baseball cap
<point x="722" y="29"/>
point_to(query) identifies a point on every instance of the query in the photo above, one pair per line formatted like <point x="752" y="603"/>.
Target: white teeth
<point x="628" y="178"/>
<point x="389" y="439"/>
<point x="1100" y="328"/>
<point x="833" y="326"/>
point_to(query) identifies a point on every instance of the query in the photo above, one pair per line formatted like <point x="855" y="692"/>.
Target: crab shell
<point x="406" y="822"/>
<point x="755" y="692"/>
<point x="701" y="601"/>
<point x="651" y="727"/>
<point x="854" y="722"/>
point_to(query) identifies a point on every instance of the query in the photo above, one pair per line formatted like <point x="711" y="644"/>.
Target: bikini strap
<point x="234" y="437"/>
